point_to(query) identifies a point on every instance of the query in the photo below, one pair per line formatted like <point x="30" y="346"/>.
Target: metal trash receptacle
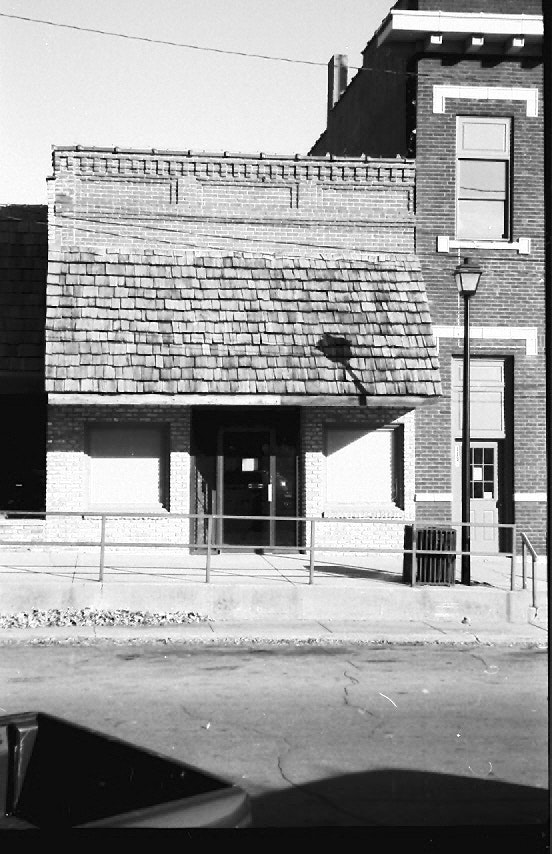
<point x="56" y="775"/>
<point x="431" y="567"/>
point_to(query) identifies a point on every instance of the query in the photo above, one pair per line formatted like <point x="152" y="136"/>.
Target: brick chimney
<point x="337" y="79"/>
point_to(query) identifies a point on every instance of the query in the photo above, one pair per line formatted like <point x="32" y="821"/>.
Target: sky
<point x="61" y="86"/>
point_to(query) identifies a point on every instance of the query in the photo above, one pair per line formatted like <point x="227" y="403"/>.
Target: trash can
<point x="431" y="567"/>
<point x="57" y="775"/>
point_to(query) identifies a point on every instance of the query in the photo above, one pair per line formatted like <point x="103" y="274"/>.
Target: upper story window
<point x="483" y="178"/>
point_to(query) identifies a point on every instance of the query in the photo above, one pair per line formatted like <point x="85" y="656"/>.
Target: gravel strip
<point x="92" y="617"/>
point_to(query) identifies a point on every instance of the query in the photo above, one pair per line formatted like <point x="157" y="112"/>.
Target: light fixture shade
<point x="467" y="276"/>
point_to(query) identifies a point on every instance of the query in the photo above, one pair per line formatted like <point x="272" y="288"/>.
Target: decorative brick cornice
<point x="170" y="164"/>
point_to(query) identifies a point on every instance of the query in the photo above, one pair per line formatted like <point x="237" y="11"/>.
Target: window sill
<point x="385" y="510"/>
<point x="521" y="246"/>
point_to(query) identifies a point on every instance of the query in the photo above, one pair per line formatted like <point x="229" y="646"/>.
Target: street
<point x="335" y="736"/>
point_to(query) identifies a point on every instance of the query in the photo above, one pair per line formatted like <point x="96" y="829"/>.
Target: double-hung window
<point x="483" y="177"/>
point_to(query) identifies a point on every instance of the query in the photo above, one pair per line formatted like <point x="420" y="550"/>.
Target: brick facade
<point x="511" y="293"/>
<point x="117" y="217"/>
<point x="170" y="201"/>
<point x="339" y="535"/>
<point x="68" y="472"/>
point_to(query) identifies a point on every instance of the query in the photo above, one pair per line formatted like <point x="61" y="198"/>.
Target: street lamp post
<point x="467" y="277"/>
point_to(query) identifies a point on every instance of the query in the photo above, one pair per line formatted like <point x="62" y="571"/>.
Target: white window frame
<point x="485" y="154"/>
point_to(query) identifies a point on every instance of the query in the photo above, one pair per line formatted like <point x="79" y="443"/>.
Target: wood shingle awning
<point x="209" y="327"/>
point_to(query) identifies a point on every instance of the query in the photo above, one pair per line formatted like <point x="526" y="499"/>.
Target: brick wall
<point x="372" y="117"/>
<point x="511" y="292"/>
<point x="339" y="534"/>
<point x="169" y="202"/>
<point x="68" y="467"/>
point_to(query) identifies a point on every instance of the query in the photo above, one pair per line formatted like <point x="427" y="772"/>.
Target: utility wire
<point x="176" y="244"/>
<point x="187" y="46"/>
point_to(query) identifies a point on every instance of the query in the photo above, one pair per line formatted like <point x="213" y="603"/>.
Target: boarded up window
<point x="487" y="409"/>
<point x="126" y="466"/>
<point x="364" y="467"/>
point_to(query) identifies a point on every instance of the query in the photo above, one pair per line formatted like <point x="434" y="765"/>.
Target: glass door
<point x="245" y="476"/>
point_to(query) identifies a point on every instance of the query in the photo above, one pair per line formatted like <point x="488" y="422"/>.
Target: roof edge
<point x="227" y="155"/>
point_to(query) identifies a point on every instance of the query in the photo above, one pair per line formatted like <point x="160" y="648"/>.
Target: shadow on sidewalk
<point x="369" y="573"/>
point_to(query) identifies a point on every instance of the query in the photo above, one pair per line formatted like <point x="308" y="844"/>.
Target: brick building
<point x="237" y="335"/>
<point x="460" y="90"/>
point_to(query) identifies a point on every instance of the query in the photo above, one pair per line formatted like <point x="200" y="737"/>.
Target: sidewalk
<point x="267" y="598"/>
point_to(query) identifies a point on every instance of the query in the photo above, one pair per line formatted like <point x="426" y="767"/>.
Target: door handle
<point x="270" y="492"/>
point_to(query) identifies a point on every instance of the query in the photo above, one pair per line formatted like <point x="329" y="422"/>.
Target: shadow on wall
<point x="415" y="800"/>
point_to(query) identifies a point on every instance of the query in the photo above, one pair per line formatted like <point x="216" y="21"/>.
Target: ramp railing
<point x="429" y="550"/>
<point x="527" y="547"/>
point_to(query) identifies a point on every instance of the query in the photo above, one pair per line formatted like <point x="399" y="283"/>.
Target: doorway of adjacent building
<point x="484" y="494"/>
<point x="491" y="450"/>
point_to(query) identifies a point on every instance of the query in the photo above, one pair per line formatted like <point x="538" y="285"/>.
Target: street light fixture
<point x="467" y="276"/>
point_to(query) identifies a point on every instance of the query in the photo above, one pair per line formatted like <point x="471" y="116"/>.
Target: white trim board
<point x="433" y="496"/>
<point x="530" y="496"/>
<point x="528" y="334"/>
<point x="487" y="93"/>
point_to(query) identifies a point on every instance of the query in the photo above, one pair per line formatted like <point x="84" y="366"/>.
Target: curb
<point x="294" y="633"/>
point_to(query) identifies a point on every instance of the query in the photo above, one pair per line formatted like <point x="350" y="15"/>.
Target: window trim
<point x="485" y="155"/>
<point x="164" y="465"/>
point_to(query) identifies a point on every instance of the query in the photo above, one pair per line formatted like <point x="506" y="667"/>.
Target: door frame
<point x="221" y="431"/>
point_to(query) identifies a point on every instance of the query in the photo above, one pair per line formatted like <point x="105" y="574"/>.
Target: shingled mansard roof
<point x="234" y="324"/>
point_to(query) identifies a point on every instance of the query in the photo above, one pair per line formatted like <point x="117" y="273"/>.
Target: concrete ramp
<point x="254" y="587"/>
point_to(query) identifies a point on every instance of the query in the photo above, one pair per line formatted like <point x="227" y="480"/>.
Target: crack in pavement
<point x="479" y="658"/>
<point x="346" y="688"/>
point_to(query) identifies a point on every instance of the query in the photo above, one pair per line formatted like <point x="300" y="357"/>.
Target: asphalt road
<point x="319" y="737"/>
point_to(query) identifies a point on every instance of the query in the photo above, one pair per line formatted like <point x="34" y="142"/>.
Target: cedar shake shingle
<point x="239" y="325"/>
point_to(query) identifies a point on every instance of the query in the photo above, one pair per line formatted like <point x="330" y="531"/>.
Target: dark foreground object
<point x="55" y="774"/>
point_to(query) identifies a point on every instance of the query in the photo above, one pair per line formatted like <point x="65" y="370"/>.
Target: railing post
<point x="208" y="562"/>
<point x="311" y="563"/>
<point x="534" y="574"/>
<point x="523" y="569"/>
<point x="514" y="555"/>
<point x="102" y="548"/>
<point x="414" y="559"/>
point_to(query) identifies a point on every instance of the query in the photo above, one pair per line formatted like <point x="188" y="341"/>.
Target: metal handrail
<point x="211" y="545"/>
<point x="526" y="546"/>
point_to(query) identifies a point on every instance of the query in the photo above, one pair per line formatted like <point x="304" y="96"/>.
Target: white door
<point x="483" y="494"/>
